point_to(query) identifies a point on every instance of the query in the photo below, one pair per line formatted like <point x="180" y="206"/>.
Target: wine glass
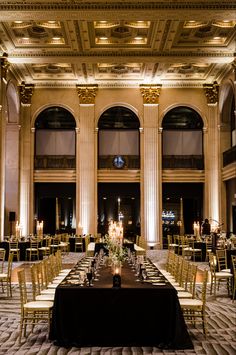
<point x="89" y="277"/>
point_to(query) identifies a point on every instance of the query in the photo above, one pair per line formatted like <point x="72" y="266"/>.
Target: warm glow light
<point x="138" y="38"/>
<point x="103" y="38"/>
<point x="56" y="38"/>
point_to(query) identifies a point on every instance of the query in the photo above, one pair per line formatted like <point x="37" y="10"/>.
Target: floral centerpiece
<point x="117" y="253"/>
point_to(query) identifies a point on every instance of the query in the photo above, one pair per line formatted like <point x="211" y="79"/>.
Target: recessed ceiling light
<point x="18" y="21"/>
<point x="51" y="21"/>
<point x="103" y="38"/>
<point x="56" y="38"/>
<point x="103" y="21"/>
<point x="216" y="37"/>
<point x="25" y="38"/>
<point x="138" y="38"/>
<point x="104" y="198"/>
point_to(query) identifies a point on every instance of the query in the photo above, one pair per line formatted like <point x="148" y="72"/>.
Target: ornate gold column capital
<point x="150" y="93"/>
<point x="4" y="66"/>
<point x="211" y="92"/>
<point x="234" y="68"/>
<point x="26" y="91"/>
<point x="87" y="93"/>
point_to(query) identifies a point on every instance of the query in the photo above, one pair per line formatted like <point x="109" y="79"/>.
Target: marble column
<point x="87" y="170"/>
<point x="4" y="64"/>
<point x="150" y="166"/>
<point x="26" y="160"/>
<point x="212" y="156"/>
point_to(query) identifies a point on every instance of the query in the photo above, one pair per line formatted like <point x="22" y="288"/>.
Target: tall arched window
<point x="118" y="141"/>
<point x="55" y="139"/>
<point x="182" y="139"/>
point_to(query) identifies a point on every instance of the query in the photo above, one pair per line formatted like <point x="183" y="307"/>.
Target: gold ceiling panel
<point x="119" y="71"/>
<point x="37" y="33"/>
<point x="120" y="33"/>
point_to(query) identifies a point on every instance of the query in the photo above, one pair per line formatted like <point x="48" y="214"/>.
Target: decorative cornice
<point x="127" y="53"/>
<point x="4" y="66"/>
<point x="26" y="92"/>
<point x="211" y="92"/>
<point x="87" y="93"/>
<point x="150" y="93"/>
<point x="115" y="6"/>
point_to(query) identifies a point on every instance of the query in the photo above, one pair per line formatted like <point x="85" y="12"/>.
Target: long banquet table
<point x="137" y="314"/>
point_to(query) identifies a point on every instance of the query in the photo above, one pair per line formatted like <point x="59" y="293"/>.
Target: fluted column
<point x="4" y="64"/>
<point x="212" y="156"/>
<point x="86" y="162"/>
<point x="150" y="164"/>
<point x="26" y="159"/>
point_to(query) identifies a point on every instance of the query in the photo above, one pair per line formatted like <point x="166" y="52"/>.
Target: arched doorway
<point x="182" y="148"/>
<point x="118" y="157"/>
<point x="55" y="147"/>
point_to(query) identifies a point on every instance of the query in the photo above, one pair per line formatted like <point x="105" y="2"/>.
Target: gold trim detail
<point x="26" y="91"/>
<point x="150" y="93"/>
<point x="211" y="92"/>
<point x="87" y="93"/>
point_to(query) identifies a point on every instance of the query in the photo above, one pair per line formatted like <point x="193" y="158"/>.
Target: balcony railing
<point x="183" y="162"/>
<point x="54" y="162"/>
<point x="229" y="156"/>
<point x="106" y="162"/>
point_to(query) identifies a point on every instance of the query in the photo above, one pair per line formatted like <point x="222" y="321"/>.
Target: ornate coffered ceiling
<point x="118" y="44"/>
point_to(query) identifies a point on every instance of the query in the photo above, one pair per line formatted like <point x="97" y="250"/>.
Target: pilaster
<point x="87" y="171"/>
<point x="4" y="64"/>
<point x="151" y="166"/>
<point x="26" y="159"/>
<point x="212" y="156"/>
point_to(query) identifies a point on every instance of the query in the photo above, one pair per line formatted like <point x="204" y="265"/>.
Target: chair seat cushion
<point x="46" y="297"/>
<point x="223" y="274"/>
<point x="48" y="291"/>
<point x="190" y="302"/>
<point x="40" y="305"/>
<point x="3" y="275"/>
<point x="184" y="294"/>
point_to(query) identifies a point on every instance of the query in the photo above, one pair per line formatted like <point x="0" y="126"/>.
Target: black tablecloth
<point x="23" y="245"/>
<point x="137" y="314"/>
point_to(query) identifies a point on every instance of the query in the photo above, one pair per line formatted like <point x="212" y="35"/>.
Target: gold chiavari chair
<point x="36" y="286"/>
<point x="33" y="250"/>
<point x="171" y="244"/>
<point x="79" y="244"/>
<point x="64" y="245"/>
<point x="218" y="275"/>
<point x="194" y="310"/>
<point x="221" y="258"/>
<point x="55" y="244"/>
<point x="14" y="249"/>
<point x="5" y="278"/>
<point x="46" y="249"/>
<point x="2" y="259"/>
<point x="32" y="312"/>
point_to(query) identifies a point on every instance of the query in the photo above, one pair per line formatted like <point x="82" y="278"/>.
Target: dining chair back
<point x="5" y="278"/>
<point x="79" y="244"/>
<point x="33" y="250"/>
<point x="14" y="249"/>
<point x="2" y="259"/>
<point x="32" y="312"/>
<point x="194" y="309"/>
<point x="221" y="257"/>
<point x="46" y="248"/>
